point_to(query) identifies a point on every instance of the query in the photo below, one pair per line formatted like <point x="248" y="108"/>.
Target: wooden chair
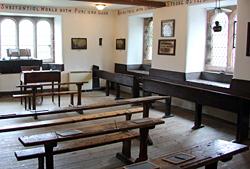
<point x="29" y="68"/>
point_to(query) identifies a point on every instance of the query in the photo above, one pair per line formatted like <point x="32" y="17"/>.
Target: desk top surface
<point x="41" y="71"/>
<point x="50" y="84"/>
<point x="59" y="136"/>
<point x="204" y="154"/>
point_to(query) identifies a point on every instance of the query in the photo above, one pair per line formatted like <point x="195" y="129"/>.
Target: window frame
<point x="229" y="67"/>
<point x="34" y="20"/>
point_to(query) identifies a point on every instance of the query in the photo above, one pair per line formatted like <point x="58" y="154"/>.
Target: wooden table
<point x="41" y="76"/>
<point x="35" y="86"/>
<point x="49" y="140"/>
<point x="207" y="155"/>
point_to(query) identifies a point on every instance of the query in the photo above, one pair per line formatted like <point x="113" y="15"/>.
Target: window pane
<point x="43" y="40"/>
<point x="8" y="36"/>
<point x="148" y="39"/>
<point x="220" y="41"/>
<point x="26" y="35"/>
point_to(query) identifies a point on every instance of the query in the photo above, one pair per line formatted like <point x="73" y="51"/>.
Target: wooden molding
<point x="156" y="4"/>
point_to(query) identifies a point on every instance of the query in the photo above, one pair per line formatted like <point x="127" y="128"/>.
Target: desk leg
<point x="25" y="99"/>
<point x="49" y="155"/>
<point x="143" y="154"/>
<point x="107" y="88"/>
<point x="79" y="96"/>
<point x="168" y="108"/>
<point x="212" y="166"/>
<point x="242" y="121"/>
<point x="34" y="90"/>
<point x="198" y="116"/>
<point x="146" y="106"/>
<point x="59" y="96"/>
<point x="53" y="92"/>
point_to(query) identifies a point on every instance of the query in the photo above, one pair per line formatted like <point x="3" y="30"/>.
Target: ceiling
<point x="69" y="3"/>
<point x="91" y="5"/>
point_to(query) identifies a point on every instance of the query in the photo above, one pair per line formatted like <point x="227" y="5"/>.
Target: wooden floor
<point x="176" y="134"/>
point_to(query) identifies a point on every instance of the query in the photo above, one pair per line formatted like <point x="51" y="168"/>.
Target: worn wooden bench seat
<point x="208" y="155"/>
<point x="144" y="100"/>
<point x="111" y="133"/>
<point x="75" y="145"/>
<point x="128" y="113"/>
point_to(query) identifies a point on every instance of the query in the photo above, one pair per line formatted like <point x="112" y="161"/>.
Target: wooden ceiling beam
<point x="156" y="4"/>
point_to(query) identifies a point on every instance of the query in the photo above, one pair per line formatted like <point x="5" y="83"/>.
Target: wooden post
<point x="242" y="121"/>
<point x="49" y="155"/>
<point x="143" y="154"/>
<point x="107" y="87"/>
<point x="168" y="108"/>
<point x="198" y="116"/>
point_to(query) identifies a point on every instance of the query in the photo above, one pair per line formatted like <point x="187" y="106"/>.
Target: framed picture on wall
<point x="166" y="47"/>
<point x="78" y="43"/>
<point x="167" y="28"/>
<point x="248" y="39"/>
<point x="120" y="44"/>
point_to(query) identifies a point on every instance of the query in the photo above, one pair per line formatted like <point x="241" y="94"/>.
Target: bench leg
<point x="125" y="156"/>
<point x="198" y="116"/>
<point x="41" y="162"/>
<point x="212" y="166"/>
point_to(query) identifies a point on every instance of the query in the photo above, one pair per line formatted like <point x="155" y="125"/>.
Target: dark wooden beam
<point x="156" y="4"/>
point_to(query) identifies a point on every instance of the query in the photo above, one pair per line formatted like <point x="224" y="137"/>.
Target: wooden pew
<point x="35" y="94"/>
<point x="46" y="123"/>
<point x="118" y="79"/>
<point x="207" y="155"/>
<point x="50" y="140"/>
<point x="144" y="100"/>
<point x="200" y="96"/>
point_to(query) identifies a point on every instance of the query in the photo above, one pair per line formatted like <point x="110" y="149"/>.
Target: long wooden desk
<point x="41" y="76"/>
<point x="207" y="155"/>
<point x="50" y="140"/>
<point x="225" y="101"/>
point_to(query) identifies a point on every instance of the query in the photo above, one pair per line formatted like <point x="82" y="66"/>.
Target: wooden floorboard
<point x="176" y="134"/>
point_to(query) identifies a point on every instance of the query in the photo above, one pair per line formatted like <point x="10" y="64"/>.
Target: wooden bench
<point x="29" y="96"/>
<point x="75" y="145"/>
<point x="144" y="100"/>
<point x="116" y="78"/>
<point x="35" y="94"/>
<point x="50" y="140"/>
<point x="207" y="155"/>
<point x="45" y="123"/>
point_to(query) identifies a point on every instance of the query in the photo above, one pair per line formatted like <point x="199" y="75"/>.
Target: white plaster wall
<point x="196" y="40"/>
<point x="91" y="27"/>
<point x="75" y="25"/>
<point x="135" y="40"/>
<point x="242" y="62"/>
<point x="121" y="32"/>
<point x="170" y="62"/>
